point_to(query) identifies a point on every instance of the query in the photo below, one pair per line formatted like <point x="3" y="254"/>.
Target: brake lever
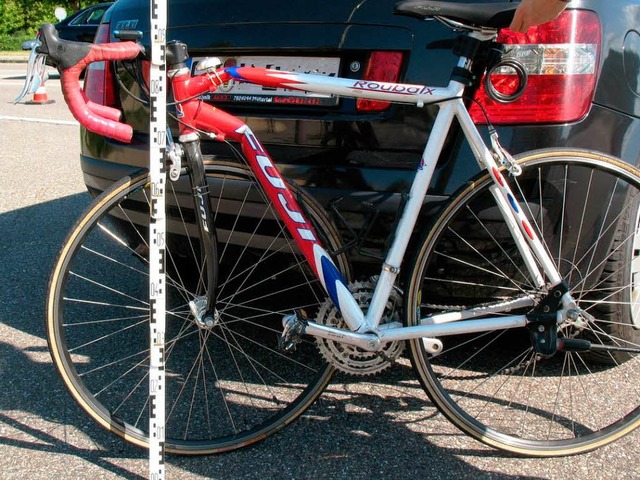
<point x="36" y="72"/>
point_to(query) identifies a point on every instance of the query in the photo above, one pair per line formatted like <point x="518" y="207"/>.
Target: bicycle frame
<point x="232" y="382"/>
<point x="196" y="116"/>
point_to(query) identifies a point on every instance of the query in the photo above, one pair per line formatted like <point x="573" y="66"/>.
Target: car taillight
<point x="561" y="58"/>
<point x="381" y="67"/>
<point x="98" y="80"/>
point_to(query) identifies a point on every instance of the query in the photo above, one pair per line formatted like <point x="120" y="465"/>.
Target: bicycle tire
<point x="227" y="386"/>
<point x="492" y="385"/>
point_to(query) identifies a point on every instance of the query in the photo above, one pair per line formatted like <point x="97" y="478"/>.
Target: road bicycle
<point x="516" y="306"/>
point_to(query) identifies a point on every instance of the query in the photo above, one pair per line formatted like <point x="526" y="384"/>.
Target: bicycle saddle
<point x="494" y="15"/>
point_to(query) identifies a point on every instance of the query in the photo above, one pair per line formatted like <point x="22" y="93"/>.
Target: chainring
<point x="351" y="359"/>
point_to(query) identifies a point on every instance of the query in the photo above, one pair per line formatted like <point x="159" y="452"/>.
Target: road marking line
<point x="21" y="75"/>
<point x="20" y="83"/>
<point x="40" y="120"/>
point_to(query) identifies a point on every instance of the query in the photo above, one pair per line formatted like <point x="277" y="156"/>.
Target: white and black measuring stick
<point x="157" y="232"/>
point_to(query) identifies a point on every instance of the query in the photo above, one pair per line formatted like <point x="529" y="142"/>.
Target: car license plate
<point x="241" y="92"/>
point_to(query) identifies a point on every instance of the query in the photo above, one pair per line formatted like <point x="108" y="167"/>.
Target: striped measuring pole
<point x="157" y="232"/>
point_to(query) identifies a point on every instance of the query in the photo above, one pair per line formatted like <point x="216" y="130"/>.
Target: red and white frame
<point x="198" y="116"/>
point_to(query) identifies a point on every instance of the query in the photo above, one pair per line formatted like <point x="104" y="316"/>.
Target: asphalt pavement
<point x="380" y="428"/>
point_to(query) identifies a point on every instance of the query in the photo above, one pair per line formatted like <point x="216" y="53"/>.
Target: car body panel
<point x="356" y="161"/>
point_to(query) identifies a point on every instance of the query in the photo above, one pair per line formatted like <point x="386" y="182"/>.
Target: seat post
<point x="467" y="48"/>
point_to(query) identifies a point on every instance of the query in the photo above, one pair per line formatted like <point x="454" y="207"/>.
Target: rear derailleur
<point x="542" y="321"/>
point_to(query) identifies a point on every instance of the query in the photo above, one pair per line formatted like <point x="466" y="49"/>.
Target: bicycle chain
<point x="507" y="371"/>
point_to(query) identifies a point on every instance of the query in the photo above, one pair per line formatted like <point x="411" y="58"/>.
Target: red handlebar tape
<point x="99" y="119"/>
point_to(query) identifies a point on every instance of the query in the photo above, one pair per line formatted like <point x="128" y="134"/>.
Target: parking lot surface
<point x="383" y="427"/>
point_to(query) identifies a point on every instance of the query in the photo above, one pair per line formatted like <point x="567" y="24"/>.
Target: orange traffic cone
<point x="40" y="97"/>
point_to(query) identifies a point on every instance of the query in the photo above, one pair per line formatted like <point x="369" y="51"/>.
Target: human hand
<point x="535" y="12"/>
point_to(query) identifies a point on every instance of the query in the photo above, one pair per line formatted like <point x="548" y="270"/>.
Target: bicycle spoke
<point x="585" y="212"/>
<point x="227" y="383"/>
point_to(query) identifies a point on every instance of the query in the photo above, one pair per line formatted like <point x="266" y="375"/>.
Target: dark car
<point x="358" y="157"/>
<point x="82" y="25"/>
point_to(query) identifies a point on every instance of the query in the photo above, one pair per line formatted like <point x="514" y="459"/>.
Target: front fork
<point x="203" y="307"/>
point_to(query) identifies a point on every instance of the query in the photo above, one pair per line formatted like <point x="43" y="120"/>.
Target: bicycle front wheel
<point x="227" y="384"/>
<point x="493" y="385"/>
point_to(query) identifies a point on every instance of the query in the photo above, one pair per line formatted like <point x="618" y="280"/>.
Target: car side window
<point x="95" y="16"/>
<point x="91" y="17"/>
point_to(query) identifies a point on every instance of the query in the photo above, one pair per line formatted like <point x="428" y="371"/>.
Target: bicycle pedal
<point x="294" y="327"/>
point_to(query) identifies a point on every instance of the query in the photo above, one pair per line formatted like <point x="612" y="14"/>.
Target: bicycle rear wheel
<point x="227" y="385"/>
<point x="493" y="385"/>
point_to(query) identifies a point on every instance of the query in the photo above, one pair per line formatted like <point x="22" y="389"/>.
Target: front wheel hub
<point x="204" y="320"/>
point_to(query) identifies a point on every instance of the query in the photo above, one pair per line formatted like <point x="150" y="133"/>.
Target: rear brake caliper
<point x="543" y="321"/>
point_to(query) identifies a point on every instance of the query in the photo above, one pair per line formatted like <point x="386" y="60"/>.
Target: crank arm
<point x="373" y="341"/>
<point x="579" y="345"/>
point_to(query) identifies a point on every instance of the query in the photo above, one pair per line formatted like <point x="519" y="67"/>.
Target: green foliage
<point x="13" y="42"/>
<point x="22" y="18"/>
<point x="10" y="17"/>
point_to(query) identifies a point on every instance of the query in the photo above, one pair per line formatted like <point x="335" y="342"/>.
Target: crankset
<point x="349" y="358"/>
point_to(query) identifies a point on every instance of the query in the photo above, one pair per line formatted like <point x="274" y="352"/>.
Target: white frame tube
<point x="451" y="105"/>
